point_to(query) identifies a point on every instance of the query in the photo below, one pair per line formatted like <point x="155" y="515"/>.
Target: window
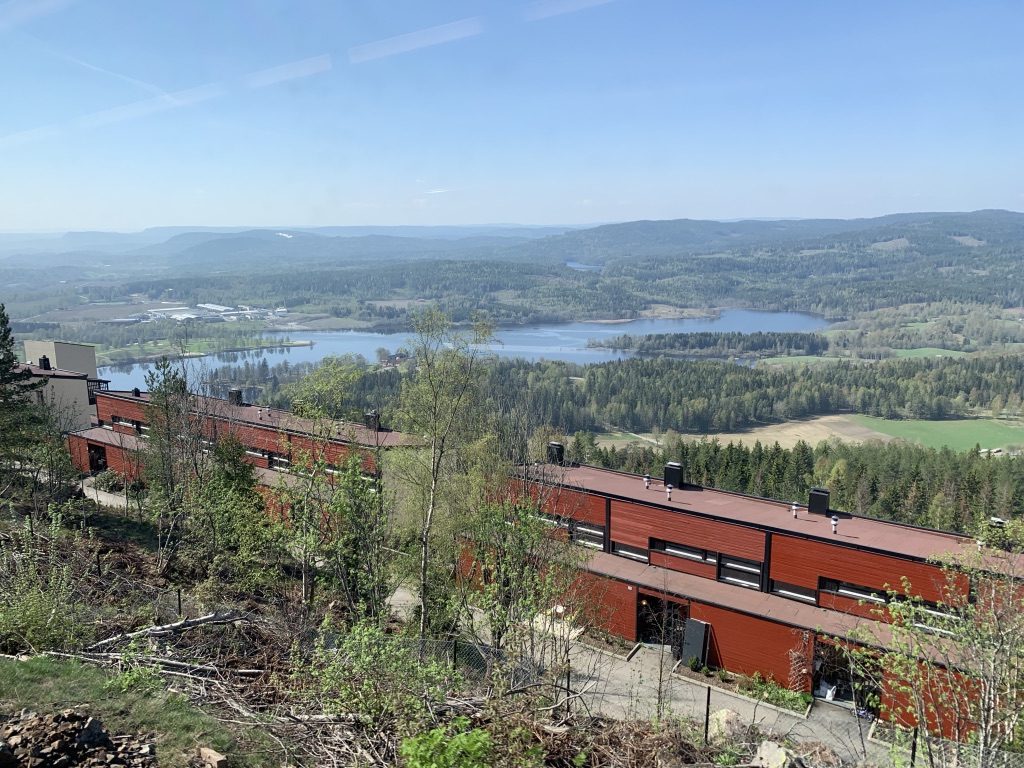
<point x="680" y="550"/>
<point x="588" y="535"/>
<point x="744" y="573"/>
<point x="794" y="592"/>
<point x="852" y="591"/>
<point x="633" y="553"/>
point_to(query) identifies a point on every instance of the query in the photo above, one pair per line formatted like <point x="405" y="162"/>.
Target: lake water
<point x="566" y="341"/>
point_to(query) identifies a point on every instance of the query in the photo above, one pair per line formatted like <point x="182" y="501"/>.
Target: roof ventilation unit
<point x="556" y="453"/>
<point x="136" y="392"/>
<point x="674" y="474"/>
<point x="234" y="396"/>
<point x="817" y="501"/>
<point x="44" y="363"/>
<point x="371" y="420"/>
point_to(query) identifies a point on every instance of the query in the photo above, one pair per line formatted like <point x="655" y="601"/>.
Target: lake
<point x="564" y="341"/>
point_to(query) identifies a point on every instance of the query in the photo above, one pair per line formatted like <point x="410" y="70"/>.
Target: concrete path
<point x="629" y="689"/>
<point x="113" y="500"/>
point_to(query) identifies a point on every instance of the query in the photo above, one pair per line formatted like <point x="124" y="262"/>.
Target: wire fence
<point x="477" y="662"/>
<point x="943" y="753"/>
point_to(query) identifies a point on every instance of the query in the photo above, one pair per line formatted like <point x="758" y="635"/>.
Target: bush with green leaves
<point x="38" y="608"/>
<point x="453" y="746"/>
<point x="768" y="690"/>
<point x="366" y="671"/>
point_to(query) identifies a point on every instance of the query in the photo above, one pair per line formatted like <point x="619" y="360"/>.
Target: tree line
<point x="719" y="343"/>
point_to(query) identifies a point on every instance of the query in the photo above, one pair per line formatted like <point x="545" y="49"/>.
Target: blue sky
<point x="122" y="114"/>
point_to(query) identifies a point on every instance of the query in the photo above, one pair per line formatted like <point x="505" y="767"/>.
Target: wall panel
<point x="636" y="524"/>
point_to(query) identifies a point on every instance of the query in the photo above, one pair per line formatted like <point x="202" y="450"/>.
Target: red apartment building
<point x="272" y="438"/>
<point x="751" y="585"/>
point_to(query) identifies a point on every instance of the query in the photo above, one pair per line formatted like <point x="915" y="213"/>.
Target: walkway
<point x="629" y="689"/>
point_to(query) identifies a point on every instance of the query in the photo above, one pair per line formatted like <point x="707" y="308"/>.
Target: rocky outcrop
<point x="67" y="739"/>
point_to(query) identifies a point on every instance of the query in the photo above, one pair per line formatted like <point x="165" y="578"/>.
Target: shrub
<point x="455" y="746"/>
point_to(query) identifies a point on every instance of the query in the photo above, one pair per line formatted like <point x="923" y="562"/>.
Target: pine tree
<point x="19" y="415"/>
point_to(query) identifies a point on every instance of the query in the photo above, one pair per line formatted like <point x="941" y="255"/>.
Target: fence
<point x="476" y="661"/>
<point x="942" y="753"/>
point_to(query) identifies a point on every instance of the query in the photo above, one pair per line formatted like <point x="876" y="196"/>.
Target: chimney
<point x="372" y="420"/>
<point x="136" y="392"/>
<point x="556" y="453"/>
<point x="674" y="474"/>
<point x="234" y="397"/>
<point x="44" y="363"/>
<point x="817" y="501"/>
<point x="835" y="524"/>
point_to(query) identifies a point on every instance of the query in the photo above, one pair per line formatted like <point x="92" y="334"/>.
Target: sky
<point x="120" y="114"/>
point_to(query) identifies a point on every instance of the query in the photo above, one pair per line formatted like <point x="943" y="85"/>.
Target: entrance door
<point x="661" y="621"/>
<point x="97" y="458"/>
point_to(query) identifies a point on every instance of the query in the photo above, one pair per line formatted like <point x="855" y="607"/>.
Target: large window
<point x="793" y="592"/>
<point x="587" y="534"/>
<point x="681" y="550"/>
<point x="853" y="591"/>
<point x="743" y="573"/>
<point x="633" y="553"/>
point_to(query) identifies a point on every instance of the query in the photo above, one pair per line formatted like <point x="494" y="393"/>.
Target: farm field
<point x="811" y="431"/>
<point x="928" y="352"/>
<point x="958" y="434"/>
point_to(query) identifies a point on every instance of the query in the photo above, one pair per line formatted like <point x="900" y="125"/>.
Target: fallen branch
<point x="227" y="617"/>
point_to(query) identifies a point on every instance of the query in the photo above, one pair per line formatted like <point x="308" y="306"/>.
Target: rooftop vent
<point x="556" y="453"/>
<point x="835" y="523"/>
<point x="136" y="392"/>
<point x="674" y="474"/>
<point x="234" y="397"/>
<point x="372" y="420"/>
<point x="44" y="363"/>
<point x="817" y="501"/>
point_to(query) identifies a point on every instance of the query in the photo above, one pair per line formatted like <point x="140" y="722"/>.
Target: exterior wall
<point x="80" y="358"/>
<point x="747" y="644"/>
<point x="70" y="398"/>
<point x="802" y="562"/>
<point x="636" y="524"/>
<point x="118" y="459"/>
<point x="683" y="565"/>
<point x="612" y="604"/>
<point x="577" y="505"/>
<point x="107" y="407"/>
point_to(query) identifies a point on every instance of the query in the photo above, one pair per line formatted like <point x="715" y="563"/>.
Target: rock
<point x="726" y="725"/>
<point x="68" y="740"/>
<point x="773" y="755"/>
<point x="212" y="758"/>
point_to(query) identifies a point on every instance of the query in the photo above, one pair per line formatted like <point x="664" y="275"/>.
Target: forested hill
<point x="719" y="344"/>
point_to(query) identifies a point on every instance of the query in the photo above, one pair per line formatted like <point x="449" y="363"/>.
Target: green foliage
<point x="134" y="676"/>
<point x="375" y="674"/>
<point x="720" y="344"/>
<point x="766" y="689"/>
<point x="454" y="746"/>
<point x="38" y="607"/>
<point x="109" y="481"/>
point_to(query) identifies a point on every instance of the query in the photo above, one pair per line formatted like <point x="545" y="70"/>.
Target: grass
<point x="928" y="352"/>
<point x="48" y="685"/>
<point x="958" y="434"/>
<point x="797" y="359"/>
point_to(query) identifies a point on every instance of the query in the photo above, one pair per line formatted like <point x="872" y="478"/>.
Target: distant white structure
<point x="218" y="308"/>
<point x="281" y="311"/>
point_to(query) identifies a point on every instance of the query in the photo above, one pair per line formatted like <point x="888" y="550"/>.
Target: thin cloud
<point x="436" y="191"/>
<point x="26" y="137"/>
<point x="413" y="41"/>
<point x="16" y="12"/>
<point x="545" y="9"/>
<point x="285" y="72"/>
<point x="137" y="109"/>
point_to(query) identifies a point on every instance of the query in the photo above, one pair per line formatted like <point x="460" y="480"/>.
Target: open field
<point x="797" y="359"/>
<point x="928" y="352"/>
<point x="811" y="431"/>
<point x="958" y="434"/>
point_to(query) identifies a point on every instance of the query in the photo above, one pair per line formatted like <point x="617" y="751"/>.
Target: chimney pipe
<point x="668" y="491"/>
<point x="44" y="363"/>
<point x="647" y="482"/>
<point x="794" y="508"/>
<point x="835" y="524"/>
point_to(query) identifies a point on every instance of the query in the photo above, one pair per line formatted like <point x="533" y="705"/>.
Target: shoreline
<point x="146" y="359"/>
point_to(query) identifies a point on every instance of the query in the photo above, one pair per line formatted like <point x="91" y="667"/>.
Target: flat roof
<point x="766" y="514"/>
<point x="277" y="419"/>
<point x="762" y="605"/>
<point x="106" y="436"/>
<point x="53" y="373"/>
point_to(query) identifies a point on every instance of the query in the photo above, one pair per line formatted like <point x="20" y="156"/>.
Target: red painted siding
<point x="577" y="505"/>
<point x="681" y="564"/>
<point x="610" y="603"/>
<point x="802" y="562"/>
<point x="636" y="524"/>
<point x="746" y="644"/>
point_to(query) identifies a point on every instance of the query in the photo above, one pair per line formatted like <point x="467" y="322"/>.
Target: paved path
<point x="114" y="500"/>
<point x="629" y="689"/>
